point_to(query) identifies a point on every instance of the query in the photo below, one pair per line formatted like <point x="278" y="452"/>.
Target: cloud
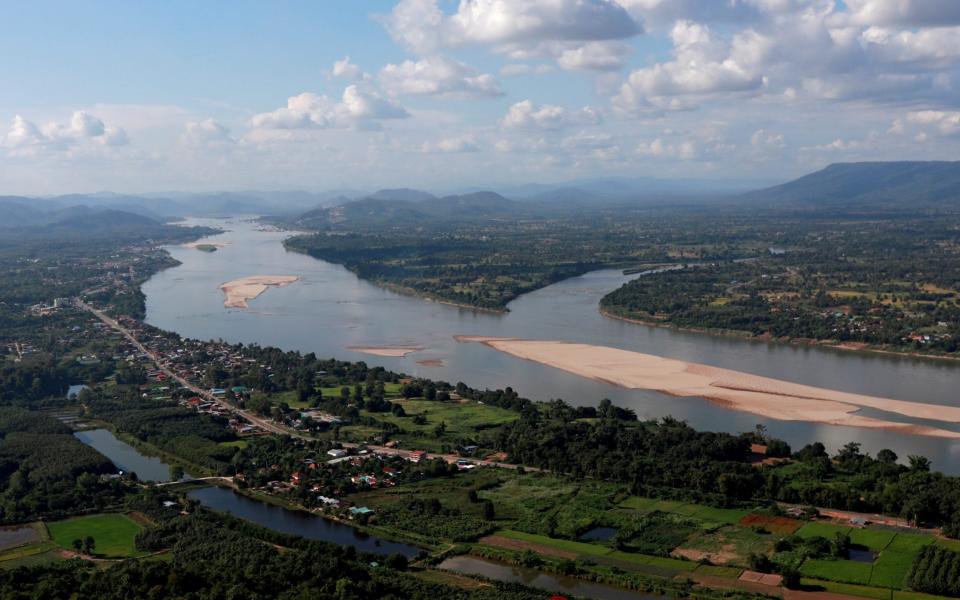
<point x="356" y="109"/>
<point x="928" y="122"/>
<point x="345" y="69"/>
<point x="594" y="56"/>
<point x="453" y="145"/>
<point x="913" y="13"/>
<point x="521" y="29"/>
<point x="207" y="132"/>
<point x="703" y="64"/>
<point x="659" y="148"/>
<point x="514" y="69"/>
<point x="525" y="115"/>
<point x="83" y="130"/>
<point x="437" y="76"/>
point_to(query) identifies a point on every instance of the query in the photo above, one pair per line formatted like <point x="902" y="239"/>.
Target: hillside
<point x="377" y="211"/>
<point x="869" y="184"/>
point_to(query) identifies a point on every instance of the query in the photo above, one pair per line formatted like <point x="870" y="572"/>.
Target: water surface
<point x="124" y="456"/>
<point x="330" y="310"/>
<point x="295" y="522"/>
<point x="469" y="565"/>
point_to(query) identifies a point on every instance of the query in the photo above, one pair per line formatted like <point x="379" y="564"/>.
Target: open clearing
<point x="113" y="533"/>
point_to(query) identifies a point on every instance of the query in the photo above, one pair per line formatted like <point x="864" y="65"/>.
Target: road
<point x="266" y="424"/>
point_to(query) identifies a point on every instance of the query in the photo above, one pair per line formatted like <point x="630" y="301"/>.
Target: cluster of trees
<point x="672" y="458"/>
<point x="45" y="471"/>
<point x="216" y="556"/>
<point x="936" y="571"/>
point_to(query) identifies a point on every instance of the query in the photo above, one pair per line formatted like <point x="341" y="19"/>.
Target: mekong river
<point x="330" y="310"/>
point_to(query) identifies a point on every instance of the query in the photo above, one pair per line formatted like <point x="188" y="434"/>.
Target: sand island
<point x="771" y="398"/>
<point x="205" y="246"/>
<point x="388" y="351"/>
<point x="240" y="291"/>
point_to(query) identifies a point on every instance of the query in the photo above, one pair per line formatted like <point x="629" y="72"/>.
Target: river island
<point x="238" y="292"/>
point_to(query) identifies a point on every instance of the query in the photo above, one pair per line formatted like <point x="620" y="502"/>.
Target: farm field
<point x="113" y="533"/>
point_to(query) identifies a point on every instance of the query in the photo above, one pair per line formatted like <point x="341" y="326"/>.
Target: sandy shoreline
<point x="388" y="351"/>
<point x="239" y="292"/>
<point x="764" y="396"/>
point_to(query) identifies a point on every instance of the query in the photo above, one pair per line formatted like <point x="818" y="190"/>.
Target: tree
<point x="89" y="544"/>
<point x="176" y="472"/>
<point x="397" y="562"/>
<point x="919" y="464"/>
<point x="77" y="545"/>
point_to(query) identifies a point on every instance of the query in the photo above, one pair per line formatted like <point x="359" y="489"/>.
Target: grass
<point x="113" y="533"/>
<point x="906" y="542"/>
<point x="948" y="544"/>
<point x="654" y="561"/>
<point x="843" y="571"/>
<point x="891" y="568"/>
<point x="911" y="595"/>
<point x="638" y="503"/>
<point x="715" y="571"/>
<point x="235" y="444"/>
<point x="731" y="539"/>
<point x="874" y="539"/>
<point x="847" y="589"/>
<point x="565" y="545"/>
<point x="824" y="530"/>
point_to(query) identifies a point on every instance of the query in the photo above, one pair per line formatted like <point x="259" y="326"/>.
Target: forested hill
<point x="380" y="211"/>
<point x="880" y="185"/>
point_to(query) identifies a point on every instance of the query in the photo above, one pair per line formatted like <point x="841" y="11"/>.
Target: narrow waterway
<point x="469" y="565"/>
<point x="295" y="522"/>
<point x="330" y="310"/>
<point x="124" y="456"/>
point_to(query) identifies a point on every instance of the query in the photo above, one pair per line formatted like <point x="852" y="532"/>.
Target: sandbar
<point x="198" y="244"/>
<point x="764" y="396"/>
<point x="240" y="291"/>
<point x="389" y="351"/>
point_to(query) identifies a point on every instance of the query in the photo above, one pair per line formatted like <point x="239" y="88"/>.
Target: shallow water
<point x="329" y="310"/>
<point x="124" y="456"/>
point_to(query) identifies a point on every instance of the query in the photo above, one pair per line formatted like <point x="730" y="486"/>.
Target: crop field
<point x="874" y="539"/>
<point x="775" y="525"/>
<point x="824" y="530"/>
<point x="113" y="533"/>
<point x="844" y="571"/>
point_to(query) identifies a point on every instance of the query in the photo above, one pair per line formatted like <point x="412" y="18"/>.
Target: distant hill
<point x="376" y="211"/>
<point x="404" y="194"/>
<point x="22" y="214"/>
<point x="868" y="184"/>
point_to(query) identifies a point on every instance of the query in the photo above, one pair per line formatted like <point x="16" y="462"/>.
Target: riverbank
<point x="764" y="396"/>
<point x="856" y="347"/>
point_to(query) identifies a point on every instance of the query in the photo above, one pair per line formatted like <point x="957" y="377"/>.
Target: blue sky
<point x="439" y="94"/>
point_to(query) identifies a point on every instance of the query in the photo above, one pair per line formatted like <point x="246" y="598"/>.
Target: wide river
<point x="330" y="309"/>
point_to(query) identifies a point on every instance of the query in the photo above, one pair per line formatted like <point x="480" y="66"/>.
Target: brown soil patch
<point x="430" y="362"/>
<point x="778" y="525"/>
<point x="141" y="519"/>
<point x="721" y="557"/>
<point x="512" y="544"/>
<point x="761" y="578"/>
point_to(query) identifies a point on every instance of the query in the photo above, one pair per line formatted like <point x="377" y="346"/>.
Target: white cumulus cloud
<point x="437" y="76"/>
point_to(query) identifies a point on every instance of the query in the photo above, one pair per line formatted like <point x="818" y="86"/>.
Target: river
<point x="295" y="522"/>
<point x="469" y="565"/>
<point x="329" y="310"/>
<point x="124" y="456"/>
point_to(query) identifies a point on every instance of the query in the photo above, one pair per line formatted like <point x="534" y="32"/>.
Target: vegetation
<point x="112" y="534"/>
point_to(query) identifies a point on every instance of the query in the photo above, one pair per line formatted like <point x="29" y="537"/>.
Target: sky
<point x="444" y="94"/>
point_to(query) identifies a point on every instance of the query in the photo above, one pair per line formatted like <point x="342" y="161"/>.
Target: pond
<point x="862" y="555"/>
<point x="599" y="534"/>
<point x="296" y="522"/>
<point x="469" y="565"/>
<point x="124" y="456"/>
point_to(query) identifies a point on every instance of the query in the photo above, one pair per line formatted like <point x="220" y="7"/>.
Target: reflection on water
<point x="124" y="456"/>
<point x="296" y="522"/>
<point x="330" y="310"/>
<point x="468" y="565"/>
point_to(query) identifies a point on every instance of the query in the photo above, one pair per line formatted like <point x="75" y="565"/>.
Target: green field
<point x="848" y="589"/>
<point x="113" y="533"/>
<point x="891" y="568"/>
<point x="565" y="545"/>
<point x="874" y="539"/>
<point x="844" y="571"/>
<point x="824" y="530"/>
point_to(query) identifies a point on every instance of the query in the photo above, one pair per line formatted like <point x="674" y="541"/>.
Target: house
<point x="337" y="453"/>
<point x="417" y="455"/>
<point x="296" y="477"/>
<point x="360" y="510"/>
